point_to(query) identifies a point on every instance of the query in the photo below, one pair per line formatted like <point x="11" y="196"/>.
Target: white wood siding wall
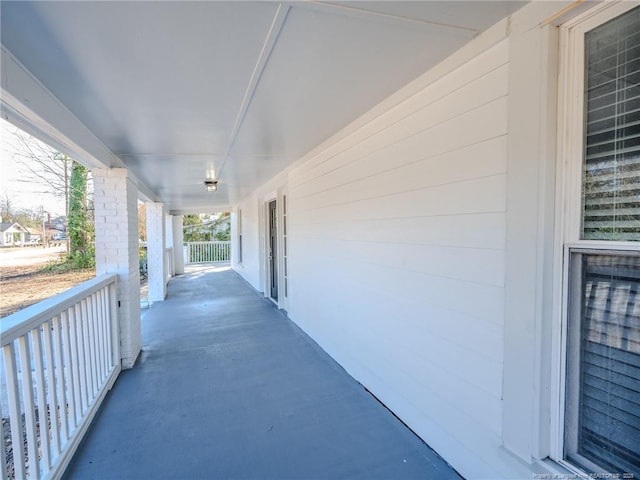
<point x="398" y="251"/>
<point x="397" y="238"/>
<point x="250" y="267"/>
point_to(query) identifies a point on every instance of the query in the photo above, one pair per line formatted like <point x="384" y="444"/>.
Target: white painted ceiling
<point x="180" y="90"/>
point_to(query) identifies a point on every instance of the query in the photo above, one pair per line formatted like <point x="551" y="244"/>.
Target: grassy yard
<point x="21" y="286"/>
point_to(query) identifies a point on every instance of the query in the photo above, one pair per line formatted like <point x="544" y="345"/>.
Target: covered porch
<point x="227" y="386"/>
<point x="404" y="180"/>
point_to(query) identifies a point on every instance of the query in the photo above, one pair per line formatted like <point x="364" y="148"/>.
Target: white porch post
<point x="168" y="228"/>
<point x="156" y="240"/>
<point x="116" y="224"/>
<point x="178" y="240"/>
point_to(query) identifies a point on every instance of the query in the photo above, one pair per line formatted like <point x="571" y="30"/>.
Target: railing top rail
<point x="21" y="322"/>
<point x="208" y="243"/>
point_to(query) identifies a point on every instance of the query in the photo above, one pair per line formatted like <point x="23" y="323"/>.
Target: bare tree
<point x="6" y="206"/>
<point x="42" y="165"/>
<point x="50" y="172"/>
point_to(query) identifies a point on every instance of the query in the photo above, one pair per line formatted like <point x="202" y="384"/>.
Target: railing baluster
<point x="60" y="376"/>
<point x="98" y="334"/>
<point x="29" y="406"/>
<point x="113" y="316"/>
<point x="85" y="374"/>
<point x="47" y="327"/>
<point x="75" y="363"/>
<point x="106" y="332"/>
<point x="70" y="380"/>
<point x="110" y="301"/>
<point x="93" y="386"/>
<point x="15" y="414"/>
<point x="41" y="389"/>
<point x="96" y="343"/>
<point x="96" y="338"/>
<point x="101" y="316"/>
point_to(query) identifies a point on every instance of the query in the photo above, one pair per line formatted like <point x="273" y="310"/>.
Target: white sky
<point x="23" y="194"/>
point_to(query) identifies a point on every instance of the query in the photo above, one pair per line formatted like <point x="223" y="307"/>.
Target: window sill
<point x="556" y="470"/>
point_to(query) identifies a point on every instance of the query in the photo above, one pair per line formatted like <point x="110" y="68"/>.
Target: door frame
<point x="273" y="270"/>
<point x="265" y="269"/>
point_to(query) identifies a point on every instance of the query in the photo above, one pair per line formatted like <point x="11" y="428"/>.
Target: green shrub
<point x="78" y="260"/>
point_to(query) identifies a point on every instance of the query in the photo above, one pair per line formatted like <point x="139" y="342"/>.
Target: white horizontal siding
<point x="446" y="140"/>
<point x="250" y="267"/>
<point x="482" y="64"/>
<point x="473" y="230"/>
<point x="396" y="249"/>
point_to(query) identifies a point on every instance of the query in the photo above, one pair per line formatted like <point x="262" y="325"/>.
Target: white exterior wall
<point x="404" y="231"/>
<point x="419" y="242"/>
<point x="250" y="268"/>
<point x="397" y="257"/>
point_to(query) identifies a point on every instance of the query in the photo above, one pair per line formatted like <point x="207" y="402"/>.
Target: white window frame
<point x="569" y="196"/>
<point x="239" y="228"/>
<point x="285" y="245"/>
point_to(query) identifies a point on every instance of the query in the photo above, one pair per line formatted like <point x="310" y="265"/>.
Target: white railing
<point x="207" y="252"/>
<point x="59" y="359"/>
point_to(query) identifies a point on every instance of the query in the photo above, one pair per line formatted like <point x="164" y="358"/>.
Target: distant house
<point x="34" y="235"/>
<point x="59" y="224"/>
<point x="12" y="234"/>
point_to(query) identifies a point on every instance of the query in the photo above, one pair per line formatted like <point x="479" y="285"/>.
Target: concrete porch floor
<point x="227" y="387"/>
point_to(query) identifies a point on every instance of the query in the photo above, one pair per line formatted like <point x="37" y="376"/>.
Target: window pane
<point x="603" y="406"/>
<point x="611" y="173"/>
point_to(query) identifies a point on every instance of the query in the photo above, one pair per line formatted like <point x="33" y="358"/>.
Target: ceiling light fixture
<point x="212" y="185"/>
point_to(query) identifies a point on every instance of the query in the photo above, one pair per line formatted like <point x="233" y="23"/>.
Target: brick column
<point x="156" y="240"/>
<point x="116" y="224"/>
<point x="178" y="241"/>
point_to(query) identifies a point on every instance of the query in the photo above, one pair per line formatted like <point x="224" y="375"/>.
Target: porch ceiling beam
<point x="270" y="41"/>
<point x="28" y="104"/>
<point x="205" y="208"/>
